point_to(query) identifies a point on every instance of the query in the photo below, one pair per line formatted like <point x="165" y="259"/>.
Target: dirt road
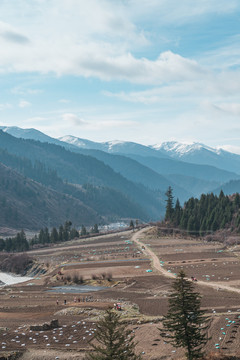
<point x="157" y="265"/>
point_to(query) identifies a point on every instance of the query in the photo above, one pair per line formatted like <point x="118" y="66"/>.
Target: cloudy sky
<point x="138" y="70"/>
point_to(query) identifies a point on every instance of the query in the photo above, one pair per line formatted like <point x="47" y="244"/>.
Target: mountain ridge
<point x="183" y="166"/>
<point x="81" y="169"/>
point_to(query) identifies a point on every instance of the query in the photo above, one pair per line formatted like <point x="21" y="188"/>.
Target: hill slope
<point x="107" y="202"/>
<point x="25" y="203"/>
<point x="228" y="188"/>
<point x="138" y="173"/>
<point x="170" y="166"/>
<point x="81" y="169"/>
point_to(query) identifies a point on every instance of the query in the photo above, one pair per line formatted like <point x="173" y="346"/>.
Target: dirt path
<point x="157" y="265"/>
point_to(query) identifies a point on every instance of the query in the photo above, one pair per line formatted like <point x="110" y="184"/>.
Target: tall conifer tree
<point x="185" y="321"/>
<point x="112" y="341"/>
<point x="169" y="205"/>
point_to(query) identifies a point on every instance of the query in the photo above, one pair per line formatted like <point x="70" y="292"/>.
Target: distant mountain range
<point x="197" y="153"/>
<point x="194" y="153"/>
<point x="118" y="179"/>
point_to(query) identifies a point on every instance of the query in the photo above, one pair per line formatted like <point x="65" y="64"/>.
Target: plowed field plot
<point x="208" y="262"/>
<point x="126" y="272"/>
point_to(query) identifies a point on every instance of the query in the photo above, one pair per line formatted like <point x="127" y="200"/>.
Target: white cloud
<point x="87" y="38"/>
<point x="225" y="56"/>
<point x="194" y="85"/>
<point x="19" y="90"/>
<point x="98" y="38"/>
<point x="73" y="119"/>
<point x="167" y="67"/>
<point x="24" y="103"/>
<point x="177" y="12"/>
<point x="230" y="108"/>
<point x="5" y="106"/>
<point x="11" y="35"/>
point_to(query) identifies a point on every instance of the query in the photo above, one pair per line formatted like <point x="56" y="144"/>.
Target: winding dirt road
<point x="157" y="265"/>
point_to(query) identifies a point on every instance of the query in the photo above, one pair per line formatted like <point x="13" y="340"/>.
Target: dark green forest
<point x="66" y="232"/>
<point x="205" y="215"/>
<point x="17" y="243"/>
<point x="32" y="193"/>
<point x="104" y="200"/>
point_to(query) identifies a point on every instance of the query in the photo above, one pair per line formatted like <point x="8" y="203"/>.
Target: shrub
<point x="109" y="276"/>
<point x="77" y="279"/>
<point x="18" y="264"/>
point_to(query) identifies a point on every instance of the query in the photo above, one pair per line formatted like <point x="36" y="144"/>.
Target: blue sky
<point x="137" y="70"/>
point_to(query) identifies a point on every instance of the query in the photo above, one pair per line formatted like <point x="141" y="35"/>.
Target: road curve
<point x="157" y="265"/>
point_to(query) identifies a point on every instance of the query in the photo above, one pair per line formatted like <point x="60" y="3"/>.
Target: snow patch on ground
<point x="10" y="279"/>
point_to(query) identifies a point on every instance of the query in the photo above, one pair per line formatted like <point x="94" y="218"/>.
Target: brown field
<point x="118" y="263"/>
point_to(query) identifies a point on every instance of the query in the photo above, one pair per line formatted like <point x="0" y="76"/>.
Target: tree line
<point x="17" y="243"/>
<point x="207" y="214"/>
<point x="66" y="232"/>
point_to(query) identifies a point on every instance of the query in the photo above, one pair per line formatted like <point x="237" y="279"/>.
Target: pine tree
<point x="60" y="233"/>
<point x="74" y="233"/>
<point x="237" y="201"/>
<point x="169" y="205"/>
<point x="177" y="213"/>
<point x="46" y="236"/>
<point x="131" y="225"/>
<point x="83" y="231"/>
<point x="41" y="237"/>
<point x="112" y="341"/>
<point x="185" y="321"/>
<point x="94" y="229"/>
<point x="54" y="235"/>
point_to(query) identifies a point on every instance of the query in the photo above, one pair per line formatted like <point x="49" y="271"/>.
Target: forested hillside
<point x="229" y="188"/>
<point x="138" y="173"/>
<point x="25" y="203"/>
<point x="28" y="204"/>
<point x="171" y="167"/>
<point x="80" y="169"/>
<point x="205" y="215"/>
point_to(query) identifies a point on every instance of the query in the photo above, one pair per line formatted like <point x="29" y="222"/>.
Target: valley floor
<point x="122" y="264"/>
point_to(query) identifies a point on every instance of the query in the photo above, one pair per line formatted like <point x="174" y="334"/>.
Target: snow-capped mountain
<point x="25" y="133"/>
<point x="34" y="134"/>
<point x="195" y="153"/>
<point x="82" y="143"/>
<point x="115" y="146"/>
<point x="198" y="153"/>
<point x="174" y="148"/>
<point x="31" y="133"/>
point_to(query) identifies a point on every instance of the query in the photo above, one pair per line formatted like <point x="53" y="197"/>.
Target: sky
<point x="147" y="71"/>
